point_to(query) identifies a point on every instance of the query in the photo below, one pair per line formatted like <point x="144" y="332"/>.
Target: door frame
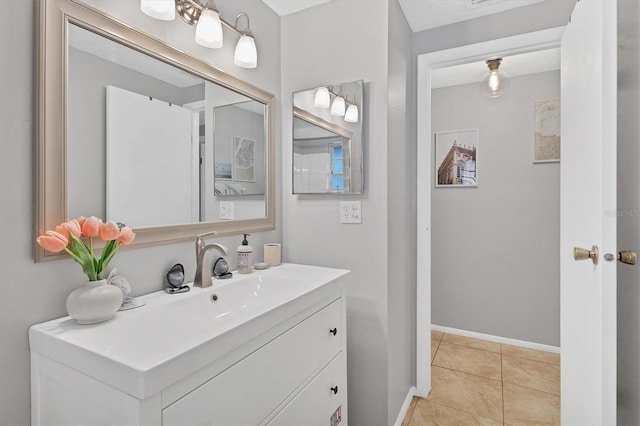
<point x="523" y="43"/>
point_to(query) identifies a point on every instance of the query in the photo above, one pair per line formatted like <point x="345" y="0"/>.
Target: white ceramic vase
<point x="94" y="302"/>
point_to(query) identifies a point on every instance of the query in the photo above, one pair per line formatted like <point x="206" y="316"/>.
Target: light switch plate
<point x="226" y="210"/>
<point x="351" y="211"/>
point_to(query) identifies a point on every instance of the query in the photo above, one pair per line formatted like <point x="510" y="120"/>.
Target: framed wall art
<point x="546" y="131"/>
<point x="456" y="158"/>
<point x="244" y="160"/>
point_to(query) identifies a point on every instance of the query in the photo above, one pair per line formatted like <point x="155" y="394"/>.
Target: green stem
<point x="73" y="255"/>
<point x="80" y="253"/>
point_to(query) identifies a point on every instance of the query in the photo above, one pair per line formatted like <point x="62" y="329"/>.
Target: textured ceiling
<point x="421" y="14"/>
<point x="286" y="7"/>
<point x="426" y="14"/>
<point x="526" y="63"/>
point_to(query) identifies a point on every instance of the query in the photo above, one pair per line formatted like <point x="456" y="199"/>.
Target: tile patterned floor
<point x="476" y="382"/>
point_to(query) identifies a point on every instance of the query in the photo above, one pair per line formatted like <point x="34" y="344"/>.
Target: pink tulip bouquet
<point x="69" y="235"/>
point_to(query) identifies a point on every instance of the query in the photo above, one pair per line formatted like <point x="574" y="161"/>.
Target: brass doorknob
<point x="584" y="254"/>
<point x="626" y="256"/>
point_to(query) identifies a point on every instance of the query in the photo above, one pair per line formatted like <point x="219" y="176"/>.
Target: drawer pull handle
<point x="334" y="389"/>
<point x="333" y="331"/>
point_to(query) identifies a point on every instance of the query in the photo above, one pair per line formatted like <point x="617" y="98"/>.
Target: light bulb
<point x="338" y="107"/>
<point x="246" y="55"/>
<point x="164" y="10"/>
<point x="209" y="29"/>
<point x="322" y="99"/>
<point x="352" y="114"/>
<point x="494" y="80"/>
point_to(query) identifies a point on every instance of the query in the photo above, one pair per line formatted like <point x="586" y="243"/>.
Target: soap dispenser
<point x="245" y="255"/>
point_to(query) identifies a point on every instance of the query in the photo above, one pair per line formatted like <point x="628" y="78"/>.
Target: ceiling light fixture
<point x="495" y="81"/>
<point x="206" y="18"/>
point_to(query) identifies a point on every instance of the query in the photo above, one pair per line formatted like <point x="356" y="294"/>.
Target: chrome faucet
<point x="201" y="251"/>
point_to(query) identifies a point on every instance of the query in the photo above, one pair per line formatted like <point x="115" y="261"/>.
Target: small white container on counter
<point x="273" y="254"/>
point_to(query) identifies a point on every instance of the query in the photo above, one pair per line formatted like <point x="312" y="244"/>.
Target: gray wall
<point x="495" y="261"/>
<point x="349" y="49"/>
<point x="629" y="208"/>
<point x="401" y="214"/>
<point x="37" y="292"/>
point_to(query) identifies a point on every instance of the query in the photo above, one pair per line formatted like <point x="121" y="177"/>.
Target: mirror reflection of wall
<point x="327" y="145"/>
<point x="321" y="159"/>
<point x="149" y="144"/>
<point x="239" y="149"/>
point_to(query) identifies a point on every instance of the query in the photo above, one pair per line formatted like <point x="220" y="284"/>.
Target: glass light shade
<point x="338" y="106"/>
<point x="246" y="55"/>
<point x="352" y="114"/>
<point x="322" y="99"/>
<point x="164" y="10"/>
<point x="209" y="29"/>
<point x="494" y="84"/>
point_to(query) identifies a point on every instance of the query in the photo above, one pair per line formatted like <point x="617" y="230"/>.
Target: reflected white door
<point x="152" y="161"/>
<point x="588" y="205"/>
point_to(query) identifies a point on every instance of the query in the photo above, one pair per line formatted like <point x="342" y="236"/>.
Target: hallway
<point x="481" y="382"/>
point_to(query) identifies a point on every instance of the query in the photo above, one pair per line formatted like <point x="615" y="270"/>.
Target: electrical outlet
<point x="226" y="210"/>
<point x="351" y="211"/>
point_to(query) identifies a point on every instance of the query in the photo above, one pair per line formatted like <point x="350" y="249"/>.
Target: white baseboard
<point x="497" y="339"/>
<point x="405" y="406"/>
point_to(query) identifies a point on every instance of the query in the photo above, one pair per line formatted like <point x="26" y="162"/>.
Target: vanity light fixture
<point x="323" y="98"/>
<point x="209" y="29"/>
<point x="338" y="107"/>
<point x="351" y="115"/>
<point x="164" y="10"/>
<point x="246" y="54"/>
<point x="206" y="18"/>
<point x="495" y="82"/>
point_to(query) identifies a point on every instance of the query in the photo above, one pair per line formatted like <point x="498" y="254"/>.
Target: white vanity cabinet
<point x="281" y="363"/>
<point x="247" y="392"/>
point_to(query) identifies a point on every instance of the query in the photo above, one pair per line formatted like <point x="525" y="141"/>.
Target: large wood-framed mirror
<point x="131" y="129"/>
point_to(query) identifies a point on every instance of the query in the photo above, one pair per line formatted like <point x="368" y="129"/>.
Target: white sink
<point x="142" y="350"/>
<point x="249" y="294"/>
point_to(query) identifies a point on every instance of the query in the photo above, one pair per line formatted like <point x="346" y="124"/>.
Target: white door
<point x="588" y="218"/>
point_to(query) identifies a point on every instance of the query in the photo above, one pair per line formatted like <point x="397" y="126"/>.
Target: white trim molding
<point x="405" y="406"/>
<point x="497" y="339"/>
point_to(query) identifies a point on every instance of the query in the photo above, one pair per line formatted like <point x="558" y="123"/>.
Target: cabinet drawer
<point x="320" y="400"/>
<point x="236" y="396"/>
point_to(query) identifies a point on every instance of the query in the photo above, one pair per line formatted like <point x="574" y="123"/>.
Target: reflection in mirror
<point x="145" y="140"/>
<point x="322" y="155"/>
<point x="327" y="140"/>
